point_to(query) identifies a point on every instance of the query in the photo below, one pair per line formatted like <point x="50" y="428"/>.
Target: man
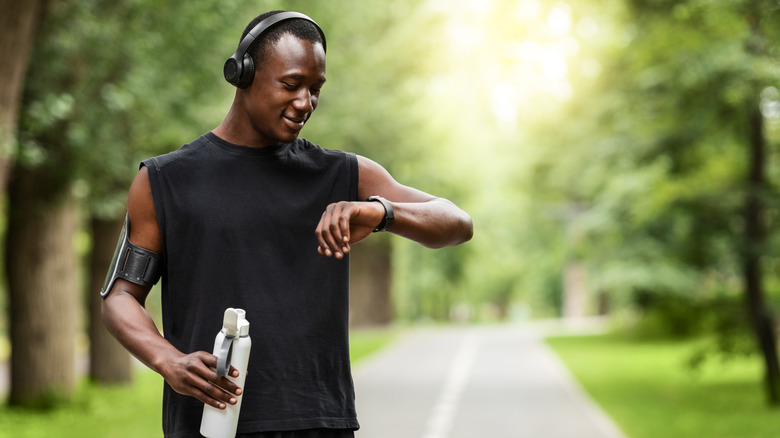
<point x="251" y="216"/>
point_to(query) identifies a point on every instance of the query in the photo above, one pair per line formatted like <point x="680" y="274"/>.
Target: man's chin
<point x="287" y="138"/>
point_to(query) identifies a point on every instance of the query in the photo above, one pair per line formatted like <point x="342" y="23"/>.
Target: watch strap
<point x="387" y="221"/>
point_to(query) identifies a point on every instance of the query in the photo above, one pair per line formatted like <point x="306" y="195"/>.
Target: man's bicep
<point x="375" y="180"/>
<point x="144" y="229"/>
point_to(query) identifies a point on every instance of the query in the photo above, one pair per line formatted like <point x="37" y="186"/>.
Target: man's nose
<point x="305" y="101"/>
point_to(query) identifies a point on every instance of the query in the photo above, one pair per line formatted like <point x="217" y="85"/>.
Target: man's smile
<point x="294" y="122"/>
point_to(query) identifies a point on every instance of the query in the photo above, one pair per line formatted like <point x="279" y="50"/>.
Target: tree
<point x="42" y="284"/>
<point x="18" y="28"/>
<point x="40" y="259"/>
<point x="693" y="149"/>
<point x="755" y="211"/>
<point x="109" y="361"/>
<point x="670" y="158"/>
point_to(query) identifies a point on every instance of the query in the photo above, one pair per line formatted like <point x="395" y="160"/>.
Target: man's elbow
<point x="107" y="315"/>
<point x="460" y="231"/>
<point x="466" y="228"/>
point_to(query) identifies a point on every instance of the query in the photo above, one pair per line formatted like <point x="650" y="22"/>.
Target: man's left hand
<point x="345" y="223"/>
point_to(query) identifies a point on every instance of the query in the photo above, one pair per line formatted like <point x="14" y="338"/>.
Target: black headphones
<point x="239" y="69"/>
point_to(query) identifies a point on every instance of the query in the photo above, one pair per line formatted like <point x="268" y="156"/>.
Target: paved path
<point x="477" y="382"/>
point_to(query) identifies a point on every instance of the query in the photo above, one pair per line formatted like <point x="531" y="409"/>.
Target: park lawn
<point x="647" y="388"/>
<point x="131" y="411"/>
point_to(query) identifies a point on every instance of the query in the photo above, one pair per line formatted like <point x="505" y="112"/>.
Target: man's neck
<point x="238" y="130"/>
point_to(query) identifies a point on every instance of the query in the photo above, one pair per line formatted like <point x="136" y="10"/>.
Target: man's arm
<point x="431" y="221"/>
<point x="125" y="316"/>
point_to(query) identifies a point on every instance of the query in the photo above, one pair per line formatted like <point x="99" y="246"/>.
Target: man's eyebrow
<point x="299" y="77"/>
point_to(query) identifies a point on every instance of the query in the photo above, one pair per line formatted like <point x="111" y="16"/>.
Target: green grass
<point x="362" y="343"/>
<point x="106" y="412"/>
<point x="126" y="411"/>
<point x="650" y="392"/>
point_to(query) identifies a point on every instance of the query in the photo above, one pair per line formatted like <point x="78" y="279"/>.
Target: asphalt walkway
<point x="474" y="382"/>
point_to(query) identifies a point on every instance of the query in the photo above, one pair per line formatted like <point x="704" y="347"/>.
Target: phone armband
<point x="132" y="263"/>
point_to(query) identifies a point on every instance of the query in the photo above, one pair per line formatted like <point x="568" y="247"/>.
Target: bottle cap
<point x="230" y="322"/>
<point x="243" y="324"/>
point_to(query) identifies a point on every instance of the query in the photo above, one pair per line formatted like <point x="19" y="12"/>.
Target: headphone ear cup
<point x="232" y="71"/>
<point x="247" y="72"/>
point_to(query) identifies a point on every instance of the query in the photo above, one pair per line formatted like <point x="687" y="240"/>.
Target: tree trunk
<point x="753" y="276"/>
<point x="755" y="228"/>
<point x="18" y="24"/>
<point x="41" y="269"/>
<point x="574" y="292"/>
<point x="109" y="361"/>
<point x="370" y="303"/>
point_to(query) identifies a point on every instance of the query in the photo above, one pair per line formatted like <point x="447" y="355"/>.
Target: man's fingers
<point x="216" y="391"/>
<point x="212" y="361"/>
<point x="329" y="234"/>
<point x="206" y="399"/>
<point x="204" y="390"/>
<point x="226" y="385"/>
<point x="344" y="224"/>
<point x="214" y="379"/>
<point x="195" y="375"/>
<point x="320" y="233"/>
<point x="214" y="388"/>
<point x="335" y="237"/>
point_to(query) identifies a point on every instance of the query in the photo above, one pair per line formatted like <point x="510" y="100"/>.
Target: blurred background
<point x="619" y="160"/>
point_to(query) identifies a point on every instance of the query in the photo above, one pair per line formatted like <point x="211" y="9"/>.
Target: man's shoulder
<point x="184" y="152"/>
<point x="305" y="146"/>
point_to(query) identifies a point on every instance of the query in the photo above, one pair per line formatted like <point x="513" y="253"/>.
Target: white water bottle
<point x="231" y="347"/>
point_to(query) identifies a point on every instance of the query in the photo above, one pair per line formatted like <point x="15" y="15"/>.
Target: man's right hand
<point x="195" y="375"/>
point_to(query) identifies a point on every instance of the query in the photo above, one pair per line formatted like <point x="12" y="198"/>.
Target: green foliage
<point x="121" y="83"/>
<point x="377" y="64"/>
<point x="654" y="160"/>
<point x="611" y="134"/>
<point x="613" y="138"/>
<point x="722" y="319"/>
<point x="649" y="390"/>
<point x="129" y="79"/>
<point x="128" y="411"/>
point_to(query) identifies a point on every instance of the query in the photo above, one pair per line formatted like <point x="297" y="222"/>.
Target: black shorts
<point x="307" y="433"/>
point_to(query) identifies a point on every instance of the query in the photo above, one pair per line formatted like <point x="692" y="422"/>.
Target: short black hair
<point x="298" y="27"/>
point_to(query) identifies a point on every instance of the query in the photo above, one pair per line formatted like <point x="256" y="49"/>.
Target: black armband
<point x="132" y="263"/>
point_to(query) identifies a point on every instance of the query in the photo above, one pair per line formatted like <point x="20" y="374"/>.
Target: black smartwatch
<point x="387" y="222"/>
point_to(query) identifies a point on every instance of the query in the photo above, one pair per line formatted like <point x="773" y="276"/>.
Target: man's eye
<point x="289" y="86"/>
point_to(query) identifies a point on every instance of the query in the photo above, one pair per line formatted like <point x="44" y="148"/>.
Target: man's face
<point x="286" y="89"/>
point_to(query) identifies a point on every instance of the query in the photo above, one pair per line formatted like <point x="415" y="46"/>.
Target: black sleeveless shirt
<point x="237" y="225"/>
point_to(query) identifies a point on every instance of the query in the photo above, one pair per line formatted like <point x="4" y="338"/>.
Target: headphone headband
<point x="239" y="69"/>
